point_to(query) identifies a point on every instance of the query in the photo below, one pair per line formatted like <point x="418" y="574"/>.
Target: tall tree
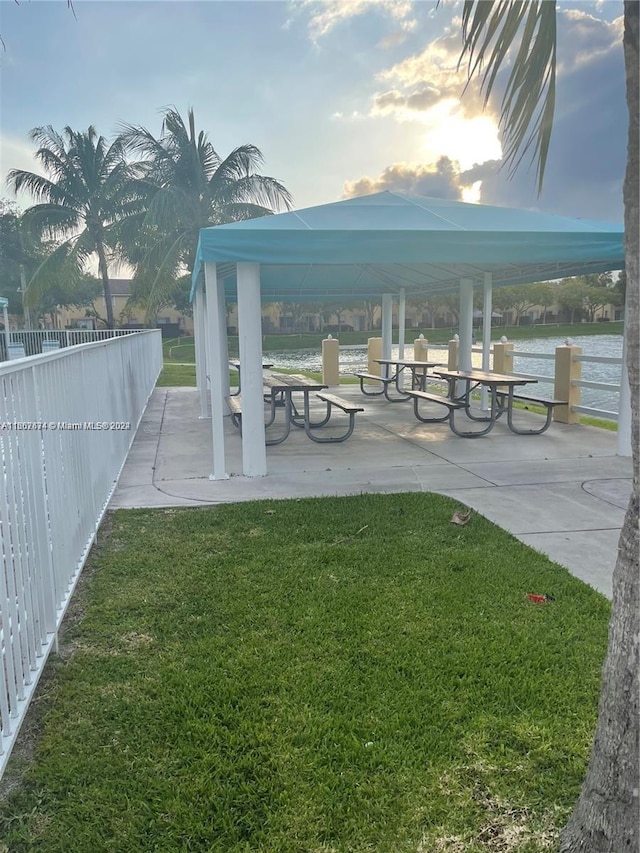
<point x="606" y="818"/>
<point x="83" y="203"/>
<point x="572" y="295"/>
<point x="13" y="257"/>
<point x="188" y="186"/>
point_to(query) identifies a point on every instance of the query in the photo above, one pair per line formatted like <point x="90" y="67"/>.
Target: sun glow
<point x="472" y="194"/>
<point x="468" y="141"/>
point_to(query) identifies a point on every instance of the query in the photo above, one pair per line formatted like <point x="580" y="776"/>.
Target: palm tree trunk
<point x="606" y="818"/>
<point x="106" y="285"/>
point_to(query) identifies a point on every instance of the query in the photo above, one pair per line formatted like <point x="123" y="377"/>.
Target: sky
<point x="342" y="98"/>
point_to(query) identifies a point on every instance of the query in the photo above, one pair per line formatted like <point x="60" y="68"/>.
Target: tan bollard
<point x="566" y="371"/>
<point x="503" y="356"/>
<point x="421" y="349"/>
<point x="330" y="361"/>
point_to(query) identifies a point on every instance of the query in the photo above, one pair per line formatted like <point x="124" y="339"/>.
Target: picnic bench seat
<point x="549" y="405"/>
<point x="385" y="380"/>
<point x="234" y="402"/>
<point x="451" y="406"/>
<point x="333" y="401"/>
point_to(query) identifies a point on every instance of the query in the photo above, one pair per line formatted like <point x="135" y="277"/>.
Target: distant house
<point x="125" y="314"/>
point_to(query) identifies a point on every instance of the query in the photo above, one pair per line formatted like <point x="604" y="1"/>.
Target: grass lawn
<point x="177" y="374"/>
<point x="313" y="676"/>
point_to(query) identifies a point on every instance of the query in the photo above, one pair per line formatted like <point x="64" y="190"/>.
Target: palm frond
<point x="62" y="267"/>
<point x="41" y="188"/>
<point x="239" y="211"/>
<point x="258" y="189"/>
<point x="241" y="162"/>
<point x="50" y="221"/>
<point x="490" y="30"/>
<point x="156" y="274"/>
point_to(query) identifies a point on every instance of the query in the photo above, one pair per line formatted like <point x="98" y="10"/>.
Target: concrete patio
<point x="563" y="493"/>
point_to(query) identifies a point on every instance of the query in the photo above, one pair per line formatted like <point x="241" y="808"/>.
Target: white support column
<point x="223" y="342"/>
<point x="487" y="311"/>
<point x="215" y="373"/>
<point x="7" y="339"/>
<point x="199" y="330"/>
<point x="466" y="323"/>
<point x="402" y="316"/>
<point x="624" y="403"/>
<point x="254" y="454"/>
<point x="387" y="324"/>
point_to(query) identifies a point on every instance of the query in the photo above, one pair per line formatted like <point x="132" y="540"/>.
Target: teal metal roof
<point x="380" y="243"/>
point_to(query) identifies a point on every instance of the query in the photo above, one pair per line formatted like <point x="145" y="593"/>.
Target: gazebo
<point x="381" y="246"/>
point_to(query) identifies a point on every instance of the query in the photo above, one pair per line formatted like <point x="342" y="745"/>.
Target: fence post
<point x="567" y="370"/>
<point x="454" y="344"/>
<point x="503" y="356"/>
<point x="330" y="361"/>
<point x="421" y="349"/>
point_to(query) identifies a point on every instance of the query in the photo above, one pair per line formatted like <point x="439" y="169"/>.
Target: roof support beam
<point x="466" y="323"/>
<point x="387" y="324"/>
<point x="487" y="311"/>
<point x="215" y="366"/>
<point x="200" y="332"/>
<point x="402" y="317"/>
<point x="254" y="454"/>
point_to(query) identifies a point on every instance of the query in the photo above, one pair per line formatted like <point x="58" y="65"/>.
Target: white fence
<point x="36" y="341"/>
<point x="67" y="420"/>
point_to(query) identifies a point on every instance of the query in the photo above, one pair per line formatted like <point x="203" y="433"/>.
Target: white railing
<point x="67" y="421"/>
<point x="609" y="387"/>
<point x="36" y="341"/>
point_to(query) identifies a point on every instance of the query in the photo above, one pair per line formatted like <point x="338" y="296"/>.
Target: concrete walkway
<point x="563" y="493"/>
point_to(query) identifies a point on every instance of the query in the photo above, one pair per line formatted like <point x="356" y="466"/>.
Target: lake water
<point x="592" y="345"/>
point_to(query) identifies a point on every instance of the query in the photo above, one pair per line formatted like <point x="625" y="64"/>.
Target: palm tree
<point x="188" y="186"/>
<point x="607" y="814"/>
<point x="84" y="202"/>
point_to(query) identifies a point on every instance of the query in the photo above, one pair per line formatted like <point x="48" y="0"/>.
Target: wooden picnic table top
<point x="407" y="362"/>
<point x="484" y="377"/>
<point x="291" y="382"/>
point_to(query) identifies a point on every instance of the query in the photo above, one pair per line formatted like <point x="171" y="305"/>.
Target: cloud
<point x="584" y="39"/>
<point x="326" y="16"/>
<point x="394" y="39"/>
<point x="587" y="155"/>
<point x="435" y="68"/>
<point x="437" y="180"/>
<point x="419" y="100"/>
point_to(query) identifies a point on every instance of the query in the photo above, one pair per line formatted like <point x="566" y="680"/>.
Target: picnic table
<point x="461" y="387"/>
<point x="279" y="393"/>
<point x="394" y="369"/>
